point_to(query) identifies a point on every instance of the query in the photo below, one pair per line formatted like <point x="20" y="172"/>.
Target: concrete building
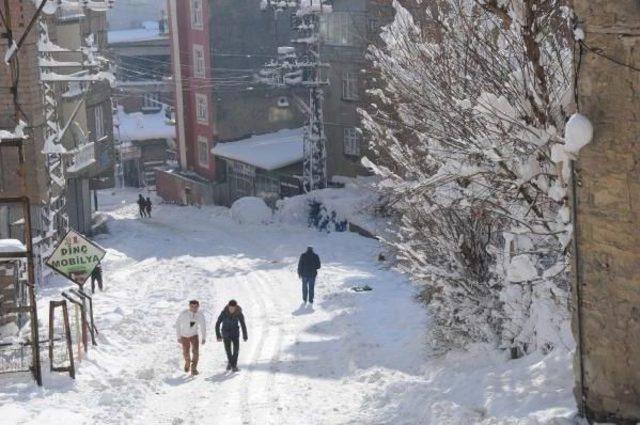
<point x="129" y="14"/>
<point x="345" y="35"/>
<point x="265" y="165"/>
<point x="194" y="108"/>
<point x="144" y="127"/>
<point x="243" y="38"/>
<point x="84" y="107"/>
<point x="607" y="291"/>
<point x="146" y="142"/>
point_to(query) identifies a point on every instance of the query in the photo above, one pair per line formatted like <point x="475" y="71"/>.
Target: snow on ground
<point x="356" y="358"/>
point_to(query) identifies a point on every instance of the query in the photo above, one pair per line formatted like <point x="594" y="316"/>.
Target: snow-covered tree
<point x="471" y="98"/>
<point x="301" y="68"/>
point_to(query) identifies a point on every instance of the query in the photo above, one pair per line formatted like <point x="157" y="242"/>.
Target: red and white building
<point x="195" y="127"/>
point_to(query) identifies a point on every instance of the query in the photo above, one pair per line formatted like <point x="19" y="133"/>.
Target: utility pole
<point x="291" y="69"/>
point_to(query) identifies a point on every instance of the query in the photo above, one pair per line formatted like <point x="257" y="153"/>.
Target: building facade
<point x="607" y="177"/>
<point x="82" y="105"/>
<point x="144" y="127"/>
<point x="190" y="56"/>
<point x="243" y="38"/>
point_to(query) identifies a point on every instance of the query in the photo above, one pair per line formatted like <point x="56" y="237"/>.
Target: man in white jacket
<point x="188" y="324"/>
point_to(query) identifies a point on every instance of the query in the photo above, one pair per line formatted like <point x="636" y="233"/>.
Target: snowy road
<point x="355" y="359"/>
<point x="299" y="366"/>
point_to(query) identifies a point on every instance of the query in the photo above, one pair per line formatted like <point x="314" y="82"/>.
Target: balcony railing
<point x="82" y="157"/>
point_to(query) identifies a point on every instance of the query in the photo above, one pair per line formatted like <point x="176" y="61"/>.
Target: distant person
<point x="96" y="276"/>
<point x="227" y="330"/>
<point x="308" y="271"/>
<point x="141" y="205"/>
<point x="147" y="206"/>
<point x="189" y="323"/>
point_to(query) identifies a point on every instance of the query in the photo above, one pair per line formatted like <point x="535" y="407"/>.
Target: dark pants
<point x="93" y="283"/>
<point x="232" y="347"/>
<point x="142" y="212"/>
<point x="308" y="286"/>
<point x="191" y="349"/>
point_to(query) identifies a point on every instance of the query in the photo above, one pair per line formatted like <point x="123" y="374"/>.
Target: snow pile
<point x="251" y="210"/>
<point x="578" y="133"/>
<point x="354" y="203"/>
<point x="18" y="133"/>
<point x="11" y="245"/>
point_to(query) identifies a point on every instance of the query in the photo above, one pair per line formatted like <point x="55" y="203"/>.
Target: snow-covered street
<point x="356" y="358"/>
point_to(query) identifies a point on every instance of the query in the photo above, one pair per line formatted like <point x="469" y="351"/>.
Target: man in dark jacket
<point x="96" y="276"/>
<point x="307" y="271"/>
<point x="147" y="206"/>
<point x="142" y="205"/>
<point x="228" y="331"/>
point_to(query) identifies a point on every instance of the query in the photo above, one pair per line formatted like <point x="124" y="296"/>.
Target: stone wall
<point x="608" y="211"/>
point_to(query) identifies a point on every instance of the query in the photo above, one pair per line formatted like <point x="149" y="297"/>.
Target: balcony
<point x="81" y="158"/>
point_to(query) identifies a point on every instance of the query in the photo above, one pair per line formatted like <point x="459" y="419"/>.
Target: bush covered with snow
<point x="251" y="210"/>
<point x="466" y="133"/>
<point x="332" y="209"/>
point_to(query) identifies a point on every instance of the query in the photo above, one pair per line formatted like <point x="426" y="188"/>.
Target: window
<point x="350" y="86"/>
<point x="150" y="101"/>
<point x="352" y="138"/>
<point x="198" y="61"/>
<point x="99" y="118"/>
<point x="196" y="14"/>
<point x="202" y="109"/>
<point x="203" y="151"/>
<point x="336" y="29"/>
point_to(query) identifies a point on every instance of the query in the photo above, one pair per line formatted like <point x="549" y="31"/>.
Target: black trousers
<point x="232" y="347"/>
<point x="93" y="283"/>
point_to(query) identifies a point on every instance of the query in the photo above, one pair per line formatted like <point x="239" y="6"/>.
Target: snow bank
<point x="354" y="203"/>
<point x="251" y="210"/>
<point x="578" y="133"/>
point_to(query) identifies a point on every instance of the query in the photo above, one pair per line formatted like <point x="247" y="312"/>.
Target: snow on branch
<point x="465" y="120"/>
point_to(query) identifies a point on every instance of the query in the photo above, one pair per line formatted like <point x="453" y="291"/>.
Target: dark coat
<point x="228" y="325"/>
<point x="309" y="264"/>
<point x="97" y="272"/>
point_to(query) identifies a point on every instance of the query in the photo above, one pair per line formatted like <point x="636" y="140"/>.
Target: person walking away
<point x="227" y="330"/>
<point x="189" y="323"/>
<point x="141" y="205"/>
<point x="308" y="271"/>
<point x="148" y="206"/>
<point x="96" y="276"/>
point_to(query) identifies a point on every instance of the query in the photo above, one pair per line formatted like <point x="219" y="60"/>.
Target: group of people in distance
<point x="191" y="323"/>
<point x="144" y="205"/>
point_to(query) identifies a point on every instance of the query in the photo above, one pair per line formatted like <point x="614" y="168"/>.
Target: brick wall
<point x="30" y="100"/>
<point x="608" y="211"/>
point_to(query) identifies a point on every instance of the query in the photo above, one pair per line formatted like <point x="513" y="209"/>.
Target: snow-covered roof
<point x="150" y="31"/>
<point x="11" y="245"/>
<point x="267" y="151"/>
<point x="139" y="126"/>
